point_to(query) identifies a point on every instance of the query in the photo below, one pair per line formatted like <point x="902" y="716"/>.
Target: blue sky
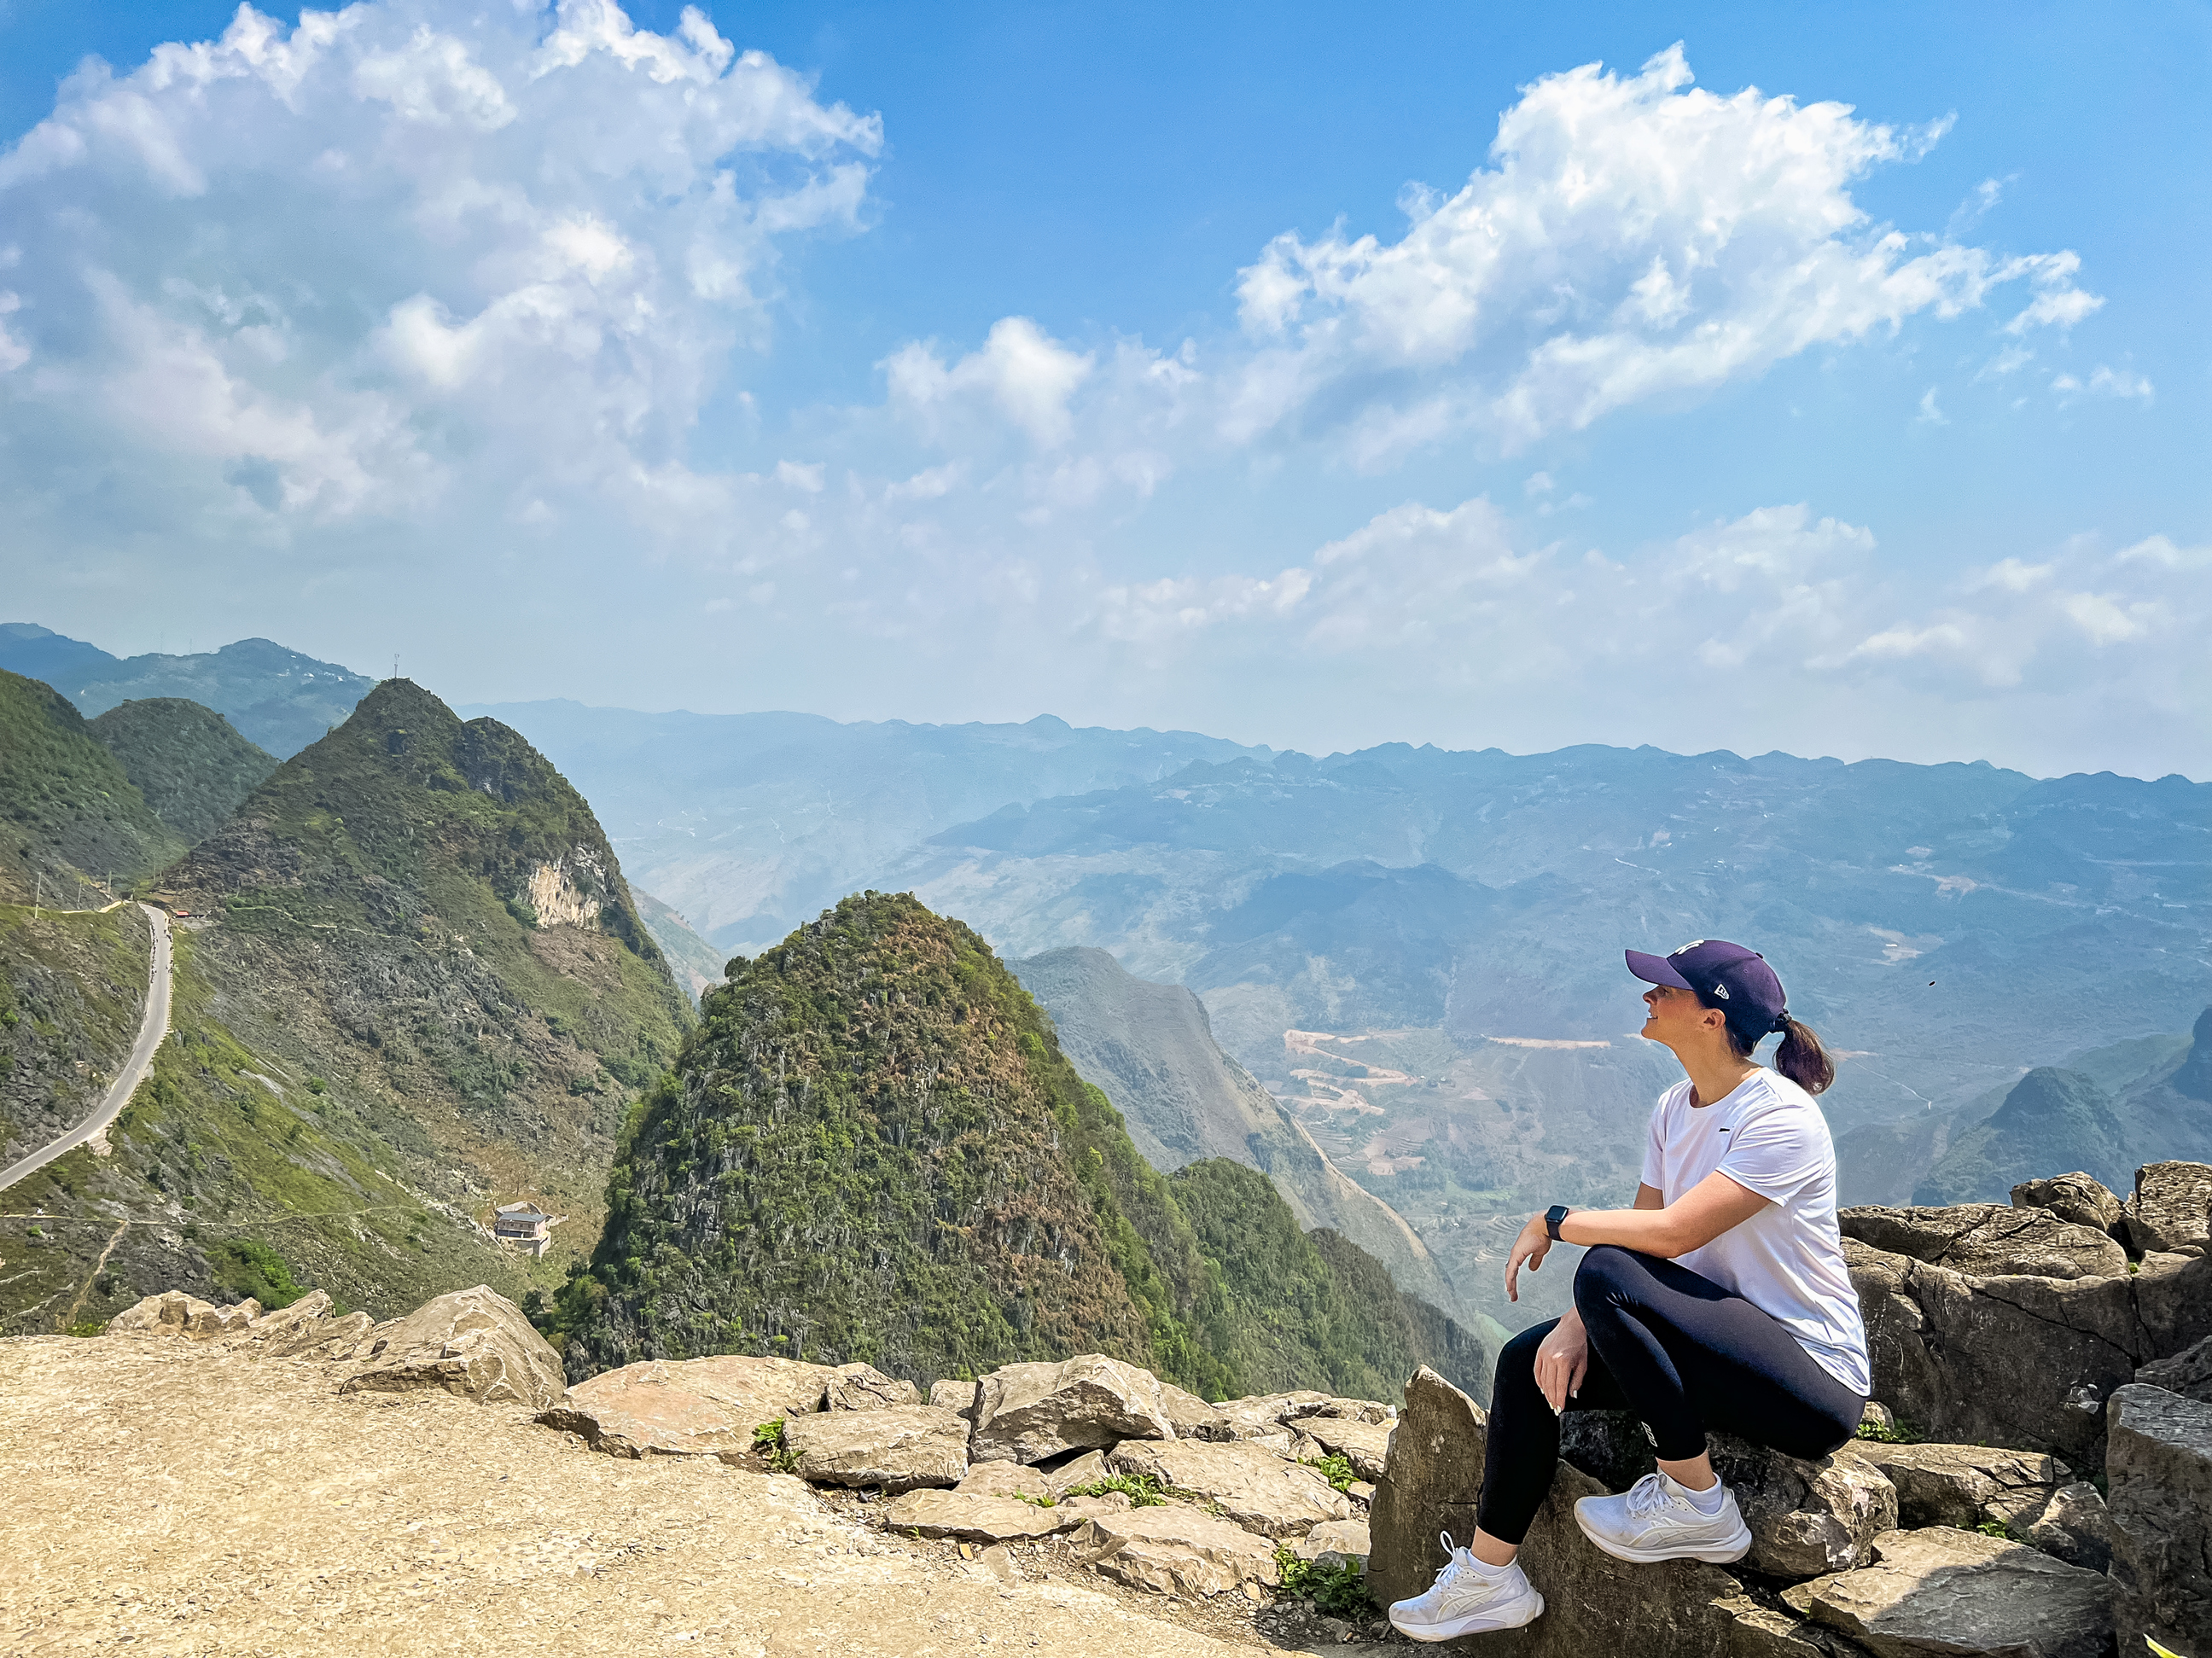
<point x="1032" y="360"/>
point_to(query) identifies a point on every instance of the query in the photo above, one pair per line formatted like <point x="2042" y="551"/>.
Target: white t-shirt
<point x="1787" y="1260"/>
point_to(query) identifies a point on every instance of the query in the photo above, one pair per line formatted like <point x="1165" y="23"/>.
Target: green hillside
<point x="66" y="808"/>
<point x="872" y="1148"/>
<point x="413" y="985"/>
<point x="188" y="762"/>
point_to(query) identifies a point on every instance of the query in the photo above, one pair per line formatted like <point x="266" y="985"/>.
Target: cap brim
<point x="1654" y="971"/>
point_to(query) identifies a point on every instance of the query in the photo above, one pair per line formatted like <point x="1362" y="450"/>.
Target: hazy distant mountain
<point x="1150" y="1048"/>
<point x="2051" y="1120"/>
<point x="275" y="697"/>
<point x="695" y="962"/>
<point x="750" y="824"/>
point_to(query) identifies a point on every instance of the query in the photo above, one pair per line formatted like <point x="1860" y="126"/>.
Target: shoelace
<point x="1648" y="1495"/>
<point x="1455" y="1559"/>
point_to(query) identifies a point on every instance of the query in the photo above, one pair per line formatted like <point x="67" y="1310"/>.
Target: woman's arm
<point x="1697" y="1218"/>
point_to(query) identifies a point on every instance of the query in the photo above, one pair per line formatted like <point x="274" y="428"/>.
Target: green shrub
<point x="1340" y="1591"/>
<point x="1336" y="1468"/>
<point x="248" y="1267"/>
<point x="1141" y="1488"/>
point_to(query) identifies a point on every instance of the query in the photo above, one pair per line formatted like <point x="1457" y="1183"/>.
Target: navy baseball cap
<point x="1736" y="980"/>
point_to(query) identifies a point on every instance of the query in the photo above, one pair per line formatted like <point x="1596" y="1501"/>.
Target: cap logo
<point x="1684" y="950"/>
<point x="1720" y="991"/>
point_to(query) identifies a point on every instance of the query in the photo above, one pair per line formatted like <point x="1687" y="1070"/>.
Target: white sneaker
<point x="1466" y="1599"/>
<point x="1654" y="1520"/>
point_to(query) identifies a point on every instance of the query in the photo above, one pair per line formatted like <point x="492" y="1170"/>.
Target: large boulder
<point x="1806" y="1518"/>
<point x="1365" y="1445"/>
<point x="1006" y="1478"/>
<point x="1947" y="1593"/>
<point x="1597" y="1604"/>
<point x="2188" y="1373"/>
<point x="1988" y="1240"/>
<point x="472" y="1343"/>
<point x="2075" y="1525"/>
<point x="974" y="1517"/>
<point x="2020" y="1361"/>
<point x="691" y="1407"/>
<point x="1251" y="1485"/>
<point x="1261" y="1413"/>
<point x="1175" y="1549"/>
<point x="2171" y="1209"/>
<point x="1968" y="1485"/>
<point x="1335" y="1544"/>
<point x="897" y="1446"/>
<point x="2159" y="1467"/>
<point x="1027" y="1413"/>
<point x="2080" y="1197"/>
<point x="173" y="1312"/>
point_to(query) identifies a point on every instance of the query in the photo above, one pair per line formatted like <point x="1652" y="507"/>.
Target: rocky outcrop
<point x="2021" y="1361"/>
<point x="971" y="1517"/>
<point x="1027" y="1413"/>
<point x="1175" y="1549"/>
<point x="2188" y="1373"/>
<point x="1243" y="1482"/>
<point x="895" y="1448"/>
<point x="1947" y="1591"/>
<point x="2160" y="1469"/>
<point x="1968" y="1485"/>
<point x="864" y="1387"/>
<point x="173" y="1312"/>
<point x="2170" y="1210"/>
<point x="1363" y="1445"/>
<point x="1988" y="1240"/>
<point x="2080" y="1197"/>
<point x="472" y="1343"/>
<point x="2075" y="1526"/>
<point x="1806" y="1518"/>
<point x="1335" y="1544"/>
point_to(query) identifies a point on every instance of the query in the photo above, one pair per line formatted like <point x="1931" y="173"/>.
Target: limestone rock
<point x="289" y="1324"/>
<point x="1253" y="1487"/>
<point x="2075" y="1526"/>
<point x="958" y="1397"/>
<point x="2005" y="1361"/>
<point x="1262" y="1413"/>
<point x="2170" y="1208"/>
<point x="689" y="1408"/>
<point x="976" y="1518"/>
<point x="1004" y="1480"/>
<point x="473" y="1343"/>
<point x="1942" y="1591"/>
<point x="1191" y="1416"/>
<point x="1967" y="1484"/>
<point x="2159" y="1464"/>
<point x="1087" y="1469"/>
<point x="897" y="1446"/>
<point x="1806" y="1518"/>
<point x="1988" y="1240"/>
<point x="2081" y="1198"/>
<point x="173" y="1312"/>
<point x="325" y="1338"/>
<point x="1597" y="1604"/>
<point x="1355" y="1410"/>
<point x="1611" y="1447"/>
<point x="864" y="1387"/>
<point x="2188" y="1373"/>
<point x="1175" y="1549"/>
<point x="1335" y="1543"/>
<point x="1363" y="1445"/>
<point x="1029" y="1412"/>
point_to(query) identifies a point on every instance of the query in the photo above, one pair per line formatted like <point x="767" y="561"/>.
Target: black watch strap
<point x="1553" y="1216"/>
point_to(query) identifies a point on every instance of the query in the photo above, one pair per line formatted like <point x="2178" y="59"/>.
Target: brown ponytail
<point x="1801" y="1058"/>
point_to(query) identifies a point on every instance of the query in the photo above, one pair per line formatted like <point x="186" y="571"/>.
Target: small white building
<point x="524" y="1225"/>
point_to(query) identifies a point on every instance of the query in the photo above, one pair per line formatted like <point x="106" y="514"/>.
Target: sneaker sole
<point x="1725" y="1553"/>
<point x="1513" y="1617"/>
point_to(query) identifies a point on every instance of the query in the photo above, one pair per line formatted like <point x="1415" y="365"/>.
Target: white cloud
<point x="1020" y="372"/>
<point x="2106" y="383"/>
<point x="412" y="256"/>
<point x="1929" y="414"/>
<point x="1635" y="240"/>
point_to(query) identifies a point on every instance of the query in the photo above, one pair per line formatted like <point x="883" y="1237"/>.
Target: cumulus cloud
<point x="1636" y="238"/>
<point x="412" y="255"/>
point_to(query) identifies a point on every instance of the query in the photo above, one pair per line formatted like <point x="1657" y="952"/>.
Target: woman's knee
<point x="1606" y="1268"/>
<point x="1516" y="1360"/>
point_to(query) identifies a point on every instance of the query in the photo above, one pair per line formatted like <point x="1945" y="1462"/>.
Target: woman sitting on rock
<point x="1719" y="1302"/>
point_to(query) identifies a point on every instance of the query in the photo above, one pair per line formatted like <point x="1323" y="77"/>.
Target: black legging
<point x="1682" y="1353"/>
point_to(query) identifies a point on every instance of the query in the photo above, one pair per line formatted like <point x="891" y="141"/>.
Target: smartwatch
<point x="1553" y="1216"/>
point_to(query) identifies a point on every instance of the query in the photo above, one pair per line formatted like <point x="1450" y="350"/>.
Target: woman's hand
<point x="1532" y="1246"/>
<point x="1563" y="1360"/>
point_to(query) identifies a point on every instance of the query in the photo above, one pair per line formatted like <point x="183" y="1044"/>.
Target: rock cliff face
<point x="874" y="1150"/>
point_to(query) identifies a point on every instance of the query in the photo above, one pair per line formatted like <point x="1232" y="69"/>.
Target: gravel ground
<point x="166" y="1498"/>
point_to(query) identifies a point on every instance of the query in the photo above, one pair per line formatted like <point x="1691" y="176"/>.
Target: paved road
<point x="151" y="1030"/>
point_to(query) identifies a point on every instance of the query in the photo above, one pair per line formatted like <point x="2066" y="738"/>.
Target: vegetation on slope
<point x="413" y="984"/>
<point x="67" y="809"/>
<point x="72" y="987"/>
<point x="188" y="762"/>
<point x="872" y="1148"/>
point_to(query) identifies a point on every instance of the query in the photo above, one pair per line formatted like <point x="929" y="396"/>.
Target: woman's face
<point x="1675" y="1016"/>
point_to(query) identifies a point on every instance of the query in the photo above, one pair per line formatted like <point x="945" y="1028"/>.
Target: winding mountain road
<point x="152" y="1028"/>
